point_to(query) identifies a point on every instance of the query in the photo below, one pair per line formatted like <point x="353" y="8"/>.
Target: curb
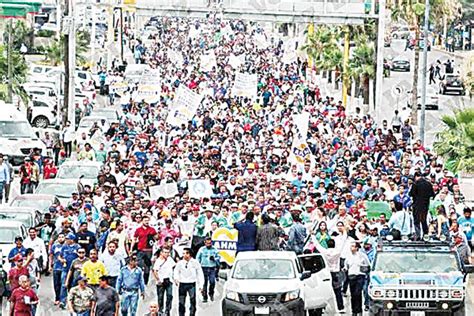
<point x="464" y="54"/>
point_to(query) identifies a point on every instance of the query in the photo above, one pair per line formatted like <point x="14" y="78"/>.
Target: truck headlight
<point x="457" y="293"/>
<point x="233" y="296"/>
<point x="443" y="294"/>
<point x="378" y="293"/>
<point x="290" y="296"/>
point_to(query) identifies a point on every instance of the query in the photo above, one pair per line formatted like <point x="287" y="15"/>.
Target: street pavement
<point x="447" y="103"/>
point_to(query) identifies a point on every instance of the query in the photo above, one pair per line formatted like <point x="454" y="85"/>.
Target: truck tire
<point x="41" y="121"/>
<point x="315" y="312"/>
<point x="460" y="312"/>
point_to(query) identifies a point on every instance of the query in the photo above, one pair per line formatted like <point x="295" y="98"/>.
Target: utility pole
<point x="379" y="69"/>
<point x="69" y="62"/>
<point x="121" y="34"/>
<point x="424" y="70"/>
<point x="10" y="63"/>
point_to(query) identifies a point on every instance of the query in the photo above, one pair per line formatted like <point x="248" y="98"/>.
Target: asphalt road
<point x="447" y="103"/>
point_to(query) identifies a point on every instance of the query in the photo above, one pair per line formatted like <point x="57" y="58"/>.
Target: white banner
<point x="300" y="152"/>
<point x="261" y="41"/>
<point x="208" y="61"/>
<point x="245" y="85"/>
<point x="236" y="61"/>
<point x="148" y="93"/>
<point x="185" y="105"/>
<point x="199" y="189"/>
<point x="301" y="121"/>
<point x="175" y="57"/>
<point x="290" y="51"/>
<point x="165" y="190"/>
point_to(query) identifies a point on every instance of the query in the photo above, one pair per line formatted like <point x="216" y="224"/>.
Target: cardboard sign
<point x="245" y="85"/>
<point x="199" y="189"/>
<point x="184" y="106"/>
<point x="225" y="241"/>
<point x="166" y="190"/>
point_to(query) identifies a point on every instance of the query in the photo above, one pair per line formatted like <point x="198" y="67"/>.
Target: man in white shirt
<point x="37" y="244"/>
<point x="113" y="261"/>
<point x="163" y="273"/>
<point x="187" y="275"/>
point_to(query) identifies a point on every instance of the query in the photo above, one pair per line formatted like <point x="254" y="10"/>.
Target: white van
<point x="17" y="138"/>
<point x="277" y="282"/>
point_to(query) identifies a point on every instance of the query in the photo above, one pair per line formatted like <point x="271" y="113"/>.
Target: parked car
<point x="432" y="99"/>
<point x="10" y="230"/>
<point x="28" y="216"/>
<point x="42" y="202"/>
<point x="452" y="83"/>
<point x="44" y="112"/>
<point x="277" y="282"/>
<point x="402" y="32"/>
<point x="17" y="138"/>
<point x="400" y="64"/>
<point x="88" y="170"/>
<point x="111" y="114"/>
<point x="62" y="188"/>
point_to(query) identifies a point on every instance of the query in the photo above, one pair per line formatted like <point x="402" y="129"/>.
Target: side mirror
<point x="469" y="269"/>
<point x="224" y="274"/>
<point x="305" y="275"/>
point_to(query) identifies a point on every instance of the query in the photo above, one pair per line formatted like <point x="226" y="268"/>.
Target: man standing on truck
<point x="421" y="192"/>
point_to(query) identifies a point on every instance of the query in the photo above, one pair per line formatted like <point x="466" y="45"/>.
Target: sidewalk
<point x="461" y="54"/>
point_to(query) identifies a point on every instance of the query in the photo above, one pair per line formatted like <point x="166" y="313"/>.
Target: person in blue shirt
<point x="141" y="155"/>
<point x="209" y="258"/>
<point x="56" y="267"/>
<point x="466" y="223"/>
<point x="130" y="283"/>
<point x="66" y="257"/>
<point x="359" y="191"/>
<point x="247" y="237"/>
<point x="19" y="249"/>
<point x="402" y="197"/>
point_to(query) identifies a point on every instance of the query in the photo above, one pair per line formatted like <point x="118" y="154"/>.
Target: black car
<point x="452" y="83"/>
<point x="400" y="65"/>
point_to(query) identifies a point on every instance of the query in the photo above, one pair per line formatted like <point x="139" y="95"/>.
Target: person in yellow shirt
<point x="93" y="269"/>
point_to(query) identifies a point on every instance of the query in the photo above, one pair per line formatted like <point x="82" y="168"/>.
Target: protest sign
<point x="236" y="61"/>
<point x="199" y="189"/>
<point x="184" y="106"/>
<point x="175" y="57"/>
<point x="261" y="41"/>
<point x="148" y="93"/>
<point x="300" y="152"/>
<point x="245" y="85"/>
<point x="301" y="122"/>
<point x="375" y="209"/>
<point x="165" y="190"/>
<point x="208" y="61"/>
<point x="225" y="241"/>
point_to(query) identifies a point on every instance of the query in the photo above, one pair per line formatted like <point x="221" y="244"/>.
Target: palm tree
<point x="20" y="72"/>
<point x="323" y="40"/>
<point x="362" y="66"/>
<point x="456" y="142"/>
<point x="55" y="51"/>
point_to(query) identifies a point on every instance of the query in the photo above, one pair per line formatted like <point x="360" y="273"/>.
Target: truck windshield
<point x="261" y="269"/>
<point x="16" y="129"/>
<point x="416" y="262"/>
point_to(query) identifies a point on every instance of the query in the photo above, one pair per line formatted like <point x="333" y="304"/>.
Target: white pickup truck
<point x="277" y="283"/>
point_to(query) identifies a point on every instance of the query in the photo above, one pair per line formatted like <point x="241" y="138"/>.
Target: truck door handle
<point x="326" y="280"/>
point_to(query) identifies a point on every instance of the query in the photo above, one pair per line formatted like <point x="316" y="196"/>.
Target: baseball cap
<point x="70" y="236"/>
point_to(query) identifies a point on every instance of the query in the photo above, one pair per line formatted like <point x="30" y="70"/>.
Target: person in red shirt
<point x="23" y="299"/>
<point x="20" y="268"/>
<point x="167" y="231"/>
<point x="49" y="169"/>
<point x="144" y="238"/>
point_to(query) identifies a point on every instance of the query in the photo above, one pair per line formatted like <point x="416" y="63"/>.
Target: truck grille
<point x="417" y="294"/>
<point x="269" y="298"/>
